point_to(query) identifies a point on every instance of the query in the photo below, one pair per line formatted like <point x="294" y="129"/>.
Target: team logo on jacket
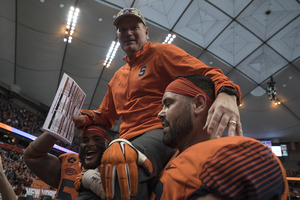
<point x="70" y="171"/>
<point x="72" y="160"/>
<point x="142" y="71"/>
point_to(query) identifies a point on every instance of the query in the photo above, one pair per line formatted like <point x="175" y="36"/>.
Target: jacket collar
<point x="136" y="55"/>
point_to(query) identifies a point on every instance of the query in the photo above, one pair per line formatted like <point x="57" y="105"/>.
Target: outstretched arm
<point x="6" y="189"/>
<point x="46" y="166"/>
<point x="105" y="115"/>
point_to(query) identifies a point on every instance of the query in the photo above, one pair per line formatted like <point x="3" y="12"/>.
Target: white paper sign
<point x="67" y="103"/>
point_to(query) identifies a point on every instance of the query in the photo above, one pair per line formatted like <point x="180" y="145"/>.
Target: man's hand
<point x="91" y="180"/>
<point x="121" y="159"/>
<point x="79" y="120"/>
<point x="224" y="112"/>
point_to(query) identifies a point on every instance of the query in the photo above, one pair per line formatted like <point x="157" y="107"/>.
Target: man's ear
<point x="147" y="32"/>
<point x="200" y="103"/>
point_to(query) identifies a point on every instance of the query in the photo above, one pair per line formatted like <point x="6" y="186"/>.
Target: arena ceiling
<point x="250" y="40"/>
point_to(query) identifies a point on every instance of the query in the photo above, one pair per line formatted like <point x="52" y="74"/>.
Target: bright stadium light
<point x="169" y="39"/>
<point x="71" y="23"/>
<point x="111" y="53"/>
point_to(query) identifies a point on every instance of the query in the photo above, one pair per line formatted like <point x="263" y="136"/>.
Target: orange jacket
<point x="136" y="90"/>
<point x="69" y="170"/>
<point x="231" y="167"/>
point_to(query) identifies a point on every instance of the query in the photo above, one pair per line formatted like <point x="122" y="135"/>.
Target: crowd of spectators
<point x="17" y="173"/>
<point x="27" y="121"/>
<point x="15" y="168"/>
<point x="292" y="173"/>
<point x="19" y="117"/>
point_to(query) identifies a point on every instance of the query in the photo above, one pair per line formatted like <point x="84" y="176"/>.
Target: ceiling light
<point x="277" y="102"/>
<point x="271" y="90"/>
<point x="169" y="39"/>
<point x="71" y="23"/>
<point x="111" y="53"/>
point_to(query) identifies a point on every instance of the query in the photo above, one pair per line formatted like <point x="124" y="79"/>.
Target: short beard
<point x="181" y="127"/>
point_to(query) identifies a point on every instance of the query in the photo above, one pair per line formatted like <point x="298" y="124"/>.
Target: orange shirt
<point x="231" y="167"/>
<point x="136" y="90"/>
<point x="69" y="170"/>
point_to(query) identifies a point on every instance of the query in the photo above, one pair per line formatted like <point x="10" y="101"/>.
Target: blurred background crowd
<point x="17" y="173"/>
<point x="27" y="121"/>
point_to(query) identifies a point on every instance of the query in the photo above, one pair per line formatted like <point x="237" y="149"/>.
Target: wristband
<point x="228" y="90"/>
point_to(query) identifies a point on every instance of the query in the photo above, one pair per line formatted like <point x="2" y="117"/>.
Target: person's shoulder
<point x="245" y="158"/>
<point x="168" y="49"/>
<point x="230" y="144"/>
<point x="229" y="140"/>
<point x="67" y="156"/>
<point x="159" y="46"/>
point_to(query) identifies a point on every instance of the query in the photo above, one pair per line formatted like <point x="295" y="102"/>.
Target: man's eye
<point x="167" y="105"/>
<point x="84" y="141"/>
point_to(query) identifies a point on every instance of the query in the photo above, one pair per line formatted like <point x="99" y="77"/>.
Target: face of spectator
<point x="132" y="35"/>
<point x="91" y="150"/>
<point x="175" y="118"/>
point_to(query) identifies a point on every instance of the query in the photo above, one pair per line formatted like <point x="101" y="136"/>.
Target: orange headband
<point x="91" y="130"/>
<point x="185" y="87"/>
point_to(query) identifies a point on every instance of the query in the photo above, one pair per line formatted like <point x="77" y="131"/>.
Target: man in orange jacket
<point x="232" y="168"/>
<point x="135" y="92"/>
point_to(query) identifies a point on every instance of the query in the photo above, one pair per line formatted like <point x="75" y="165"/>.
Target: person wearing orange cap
<point x="134" y="94"/>
<point x="61" y="172"/>
<point x="231" y="168"/>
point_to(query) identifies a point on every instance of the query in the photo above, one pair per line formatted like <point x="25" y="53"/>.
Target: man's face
<point x="91" y="150"/>
<point x="176" y="118"/>
<point x="132" y="35"/>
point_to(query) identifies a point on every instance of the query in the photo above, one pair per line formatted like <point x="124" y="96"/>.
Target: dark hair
<point x="203" y="82"/>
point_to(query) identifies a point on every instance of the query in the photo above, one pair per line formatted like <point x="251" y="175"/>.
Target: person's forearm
<point x="40" y="146"/>
<point x="46" y="166"/>
<point x="6" y="189"/>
